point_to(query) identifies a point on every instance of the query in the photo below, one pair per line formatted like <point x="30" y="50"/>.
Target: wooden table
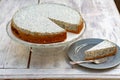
<point x="17" y="61"/>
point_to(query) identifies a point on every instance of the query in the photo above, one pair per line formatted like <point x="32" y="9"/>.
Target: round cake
<point x="45" y="23"/>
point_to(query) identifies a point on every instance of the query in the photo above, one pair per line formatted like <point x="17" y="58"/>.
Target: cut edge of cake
<point x="73" y="28"/>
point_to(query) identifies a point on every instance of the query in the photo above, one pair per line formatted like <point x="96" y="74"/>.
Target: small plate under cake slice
<point x="92" y="44"/>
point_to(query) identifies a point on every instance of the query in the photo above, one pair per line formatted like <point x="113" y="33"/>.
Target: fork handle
<point x="79" y="62"/>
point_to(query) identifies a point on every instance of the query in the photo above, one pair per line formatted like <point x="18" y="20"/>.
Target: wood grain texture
<point x="17" y="56"/>
<point x="12" y="54"/>
<point x="102" y="21"/>
<point x="59" y="74"/>
<point x="53" y="58"/>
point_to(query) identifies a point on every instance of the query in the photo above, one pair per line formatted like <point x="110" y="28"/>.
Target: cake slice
<point x="101" y="50"/>
<point x="63" y="16"/>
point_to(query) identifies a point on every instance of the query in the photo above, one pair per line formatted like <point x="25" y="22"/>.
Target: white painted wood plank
<point x="59" y="74"/>
<point x="100" y="24"/>
<point x="4" y="43"/>
<point x="70" y="3"/>
<point x="17" y="56"/>
<point x="8" y="53"/>
<point x="49" y="59"/>
<point x="8" y="8"/>
<point x="13" y="55"/>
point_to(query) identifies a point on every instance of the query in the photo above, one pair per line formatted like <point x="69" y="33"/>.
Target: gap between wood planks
<point x="28" y="65"/>
<point x="29" y="59"/>
<point x="38" y="1"/>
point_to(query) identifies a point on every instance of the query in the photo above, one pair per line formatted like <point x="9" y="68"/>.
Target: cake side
<point x="101" y="50"/>
<point x="36" y="37"/>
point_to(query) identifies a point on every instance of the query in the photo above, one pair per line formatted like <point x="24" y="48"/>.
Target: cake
<point x="45" y="23"/>
<point x="101" y="50"/>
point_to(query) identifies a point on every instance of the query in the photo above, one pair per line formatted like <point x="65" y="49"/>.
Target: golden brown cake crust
<point x="41" y="39"/>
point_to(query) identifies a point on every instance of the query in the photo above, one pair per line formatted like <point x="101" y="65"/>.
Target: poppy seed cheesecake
<point x="45" y="23"/>
<point x="101" y="50"/>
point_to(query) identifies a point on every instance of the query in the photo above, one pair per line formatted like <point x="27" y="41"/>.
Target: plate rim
<point x="90" y="67"/>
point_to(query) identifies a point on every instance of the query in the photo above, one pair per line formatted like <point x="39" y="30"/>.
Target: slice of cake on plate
<point x="101" y="50"/>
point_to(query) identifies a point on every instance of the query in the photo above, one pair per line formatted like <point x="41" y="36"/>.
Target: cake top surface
<point x="34" y="22"/>
<point x="54" y="11"/>
<point x="35" y="18"/>
<point x="102" y="45"/>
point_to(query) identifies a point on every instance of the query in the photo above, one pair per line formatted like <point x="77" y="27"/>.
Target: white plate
<point x="71" y="37"/>
<point x="86" y="44"/>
